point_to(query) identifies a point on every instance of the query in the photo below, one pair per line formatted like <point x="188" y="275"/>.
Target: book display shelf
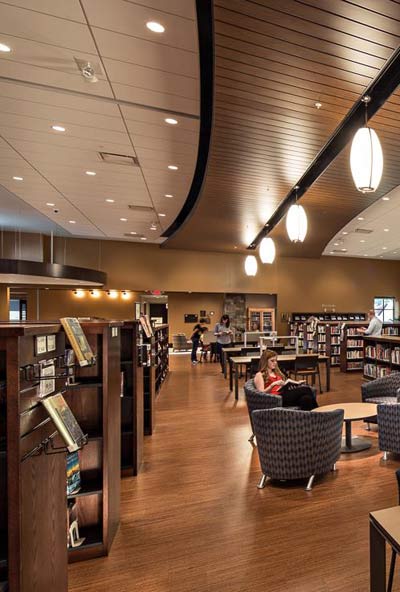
<point x="326" y="339"/>
<point x="353" y="348"/>
<point x="161" y="355"/>
<point x="261" y="319"/>
<point x="381" y="356"/>
<point x="95" y="400"/>
<point x="33" y="533"/>
<point x="132" y="402"/>
<point x="155" y="370"/>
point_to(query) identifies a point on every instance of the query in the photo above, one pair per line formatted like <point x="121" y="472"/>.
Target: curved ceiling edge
<point x="205" y="26"/>
<point x="52" y="271"/>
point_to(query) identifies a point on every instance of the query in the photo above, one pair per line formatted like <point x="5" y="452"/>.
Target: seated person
<point x="270" y="379"/>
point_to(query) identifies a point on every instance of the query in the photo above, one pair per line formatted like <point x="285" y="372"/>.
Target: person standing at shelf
<point x="196" y="338"/>
<point x="375" y="325"/>
<point x="224" y="336"/>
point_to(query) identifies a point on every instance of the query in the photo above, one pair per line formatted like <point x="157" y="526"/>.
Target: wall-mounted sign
<point x="191" y="318"/>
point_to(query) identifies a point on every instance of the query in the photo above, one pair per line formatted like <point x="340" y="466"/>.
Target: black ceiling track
<point x="205" y="25"/>
<point x="379" y="91"/>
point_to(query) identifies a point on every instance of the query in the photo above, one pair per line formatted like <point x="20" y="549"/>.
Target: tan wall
<point x="300" y="284"/>
<point x="4" y="303"/>
<point x="180" y="304"/>
<point x="54" y="304"/>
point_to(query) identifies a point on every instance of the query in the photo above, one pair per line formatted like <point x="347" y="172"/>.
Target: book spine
<point x="75" y="345"/>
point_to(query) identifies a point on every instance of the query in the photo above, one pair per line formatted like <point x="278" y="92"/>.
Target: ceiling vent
<point x="133" y="236"/>
<point x="363" y="231"/>
<point x="141" y="208"/>
<point x="339" y="251"/>
<point x="124" y="159"/>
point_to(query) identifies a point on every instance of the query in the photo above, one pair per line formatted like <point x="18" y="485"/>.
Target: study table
<point x="285" y="361"/>
<point x="384" y="527"/>
<point x="228" y="352"/>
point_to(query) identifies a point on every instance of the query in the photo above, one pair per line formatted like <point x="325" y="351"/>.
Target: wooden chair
<point x="305" y="366"/>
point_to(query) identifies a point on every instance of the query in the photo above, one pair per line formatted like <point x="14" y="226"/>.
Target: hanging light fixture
<point x="267" y="250"/>
<point x="250" y="265"/>
<point x="296" y="222"/>
<point x="366" y="157"/>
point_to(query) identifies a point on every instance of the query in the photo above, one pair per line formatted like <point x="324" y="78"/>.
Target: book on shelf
<point x="73" y="473"/>
<point x="77" y="338"/>
<point x="65" y="421"/>
<point x="146" y="326"/>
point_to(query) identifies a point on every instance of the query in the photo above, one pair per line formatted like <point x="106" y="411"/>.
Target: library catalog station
<point x="199" y="295"/>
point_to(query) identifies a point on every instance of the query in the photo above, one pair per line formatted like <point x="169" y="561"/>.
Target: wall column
<point x="4" y="303"/>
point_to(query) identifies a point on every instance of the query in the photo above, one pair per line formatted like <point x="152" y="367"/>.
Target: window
<point x="18" y="309"/>
<point x="384" y="308"/>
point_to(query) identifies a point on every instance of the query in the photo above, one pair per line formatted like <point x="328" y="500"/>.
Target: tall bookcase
<point x="33" y="548"/>
<point x="95" y="400"/>
<point x="155" y="372"/>
<point x="381" y="356"/>
<point x="353" y="348"/>
<point x="261" y="319"/>
<point x="132" y="402"/>
<point x="161" y="356"/>
<point x="327" y="339"/>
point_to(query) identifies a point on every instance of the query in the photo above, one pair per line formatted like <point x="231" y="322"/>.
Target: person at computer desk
<point x="375" y="325"/>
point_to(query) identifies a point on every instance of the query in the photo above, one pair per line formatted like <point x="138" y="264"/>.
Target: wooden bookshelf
<point x="261" y="319"/>
<point x="33" y="533"/>
<point x="96" y="403"/>
<point x="326" y="340"/>
<point x="351" y="347"/>
<point x="381" y="356"/>
<point x="155" y="371"/>
<point x="132" y="402"/>
<point x="161" y="355"/>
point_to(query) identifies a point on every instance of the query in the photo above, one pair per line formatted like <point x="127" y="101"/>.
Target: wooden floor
<point x="194" y="521"/>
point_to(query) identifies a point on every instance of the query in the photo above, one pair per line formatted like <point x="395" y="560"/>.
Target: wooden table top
<point x="281" y="358"/>
<point x="388" y="521"/>
<point x="352" y="411"/>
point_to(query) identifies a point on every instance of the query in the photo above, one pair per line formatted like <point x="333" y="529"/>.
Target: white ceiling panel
<point x="149" y="54"/>
<point x="181" y="8"/>
<point x="160" y="100"/>
<point x="158" y="73"/>
<point x="131" y="19"/>
<point x="70" y="10"/>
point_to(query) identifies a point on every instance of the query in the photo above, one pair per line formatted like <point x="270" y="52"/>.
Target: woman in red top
<point x="270" y="379"/>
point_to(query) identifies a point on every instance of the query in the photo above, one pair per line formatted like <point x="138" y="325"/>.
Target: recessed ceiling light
<point x="360" y="218"/>
<point x="58" y="128"/>
<point x="332" y="252"/>
<point x="143" y="238"/>
<point x="18" y="178"/>
<point x="50" y="204"/>
<point x="343" y="250"/>
<point x="124" y="219"/>
<point x="394" y="252"/>
<point x="365" y="255"/>
<point x="91" y="173"/>
<point x="235" y="247"/>
<point x="168" y="195"/>
<point x="335" y="244"/>
<point x="153" y="227"/>
<point x="362" y="241"/>
<point x="5" y="48"/>
<point x="133" y="232"/>
<point x="380" y="256"/>
<point x="386" y="230"/>
<point x="384" y="248"/>
<point x="110" y="200"/>
<point x="72" y="221"/>
<point x="344" y="232"/>
<point x="318" y="105"/>
<point x="172" y="167"/>
<point x="386" y="198"/>
<point x="171" y="121"/>
<point x="155" y="27"/>
<point x="162" y="215"/>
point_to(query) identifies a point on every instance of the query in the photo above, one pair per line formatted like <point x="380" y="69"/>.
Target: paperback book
<point x="73" y="473"/>
<point x="65" y="421"/>
<point x="78" y="341"/>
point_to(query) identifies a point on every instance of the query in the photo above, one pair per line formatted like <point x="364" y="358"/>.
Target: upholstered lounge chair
<point x="297" y="444"/>
<point x="384" y="390"/>
<point x="389" y="429"/>
<point x="258" y="400"/>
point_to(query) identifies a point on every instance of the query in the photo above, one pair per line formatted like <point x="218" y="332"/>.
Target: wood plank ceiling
<point x="274" y="61"/>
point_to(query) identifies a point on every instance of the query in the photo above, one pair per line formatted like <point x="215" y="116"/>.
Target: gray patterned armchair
<point x="382" y="390"/>
<point x="389" y="429"/>
<point x="297" y="444"/>
<point x="259" y="400"/>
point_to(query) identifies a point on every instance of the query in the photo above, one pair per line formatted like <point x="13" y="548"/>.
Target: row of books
<point x="354" y="354"/>
<point x="375" y="371"/>
<point x="355" y="365"/>
<point x="395" y="355"/>
<point x="354" y="343"/>
<point x="383" y="353"/>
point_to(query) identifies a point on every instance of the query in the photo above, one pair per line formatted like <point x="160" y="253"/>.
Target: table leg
<point x="236" y="382"/>
<point x="230" y="374"/>
<point x="348" y="434"/>
<point x="328" y="373"/>
<point x="224" y="357"/>
<point x="377" y="560"/>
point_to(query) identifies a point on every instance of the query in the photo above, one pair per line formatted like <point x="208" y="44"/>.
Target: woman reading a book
<point x="270" y="379"/>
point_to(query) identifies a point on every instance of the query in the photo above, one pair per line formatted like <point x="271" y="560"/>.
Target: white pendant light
<point x="296" y="222"/>
<point x="366" y="157"/>
<point x="267" y="250"/>
<point x="250" y="265"/>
